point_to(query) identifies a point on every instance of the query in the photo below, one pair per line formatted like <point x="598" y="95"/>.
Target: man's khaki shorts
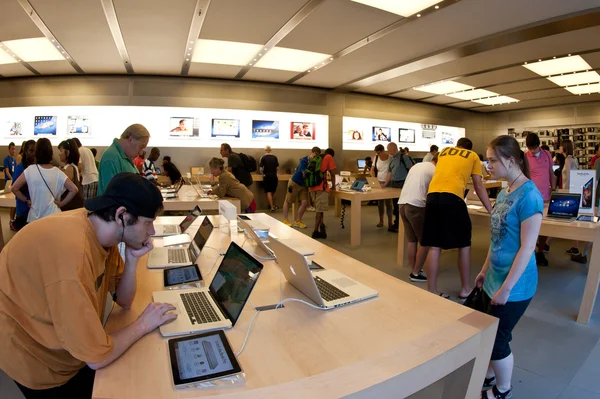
<point x="320" y="200"/>
<point x="294" y="191"/>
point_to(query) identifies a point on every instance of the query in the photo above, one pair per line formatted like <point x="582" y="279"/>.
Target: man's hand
<point x="138" y="253"/>
<point x="155" y="315"/>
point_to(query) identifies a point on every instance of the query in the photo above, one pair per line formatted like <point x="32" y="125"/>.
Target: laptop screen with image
<point x="564" y="205"/>
<point x="202" y="236"/>
<point x="189" y="219"/>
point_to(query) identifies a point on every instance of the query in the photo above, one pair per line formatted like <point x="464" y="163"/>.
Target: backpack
<point x="249" y="162"/>
<point x="313" y="175"/>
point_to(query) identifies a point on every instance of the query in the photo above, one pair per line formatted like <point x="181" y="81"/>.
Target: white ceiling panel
<point x="269" y="75"/>
<point x="90" y="42"/>
<point x="155" y="33"/>
<point x="246" y="21"/>
<point x="14" y="22"/>
<point x="53" y="67"/>
<point x="9" y="70"/>
<point x="351" y="22"/>
<point x="541" y="103"/>
<point x="415" y="39"/>
<point x="214" y="70"/>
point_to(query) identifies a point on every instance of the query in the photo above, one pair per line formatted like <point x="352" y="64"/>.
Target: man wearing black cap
<point x="53" y="293"/>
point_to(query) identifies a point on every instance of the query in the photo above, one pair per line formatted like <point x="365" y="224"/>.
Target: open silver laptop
<point x="373" y="182"/>
<point x="219" y="306"/>
<point x="171" y="192"/>
<point x="329" y="289"/>
<point x="563" y="207"/>
<point x="161" y="230"/>
<point x="305" y="251"/>
<point x="161" y="258"/>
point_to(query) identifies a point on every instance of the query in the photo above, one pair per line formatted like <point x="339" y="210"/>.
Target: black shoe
<point x="419" y="278"/>
<point x="546" y="248"/>
<point x="393" y="229"/>
<point x="323" y="229"/>
<point x="573" y="251"/>
<point x="318" y="234"/>
<point x="540" y="259"/>
<point x="579" y="259"/>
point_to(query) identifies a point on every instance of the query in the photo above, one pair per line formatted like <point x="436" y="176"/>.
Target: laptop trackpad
<point x="343" y="282"/>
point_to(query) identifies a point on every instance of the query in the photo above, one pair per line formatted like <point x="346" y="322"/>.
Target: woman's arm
<point x="530" y="230"/>
<point x="221" y="189"/>
<point x="17" y="186"/>
<point x="566" y="173"/>
<point x="70" y="172"/>
<point x="73" y="190"/>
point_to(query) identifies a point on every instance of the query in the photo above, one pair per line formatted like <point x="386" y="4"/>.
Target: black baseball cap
<point x="134" y="192"/>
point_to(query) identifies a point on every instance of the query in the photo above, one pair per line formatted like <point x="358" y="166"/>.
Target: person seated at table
<point x="509" y="275"/>
<point x="170" y="170"/>
<point x="53" y="295"/>
<point x="229" y="186"/>
<point x="45" y="183"/>
<point x="22" y="207"/>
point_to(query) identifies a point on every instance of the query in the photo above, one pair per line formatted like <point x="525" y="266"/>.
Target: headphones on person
<point x="123" y="231"/>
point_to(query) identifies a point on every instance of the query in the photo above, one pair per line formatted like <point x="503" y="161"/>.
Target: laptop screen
<point x="564" y="205"/>
<point x="358" y="185"/>
<point x="189" y="219"/>
<point x="362" y="163"/>
<point x="234" y="281"/>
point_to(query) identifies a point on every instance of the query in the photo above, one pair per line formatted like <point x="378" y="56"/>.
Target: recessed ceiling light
<point x="402" y="8"/>
<point x="576" y="78"/>
<point x="444" y="87"/>
<point x="584" y="89"/>
<point x="224" y="52"/>
<point x="187" y="59"/>
<point x="472" y="94"/>
<point x="496" y="100"/>
<point x="6" y="59"/>
<point x="189" y="48"/>
<point x="35" y="49"/>
<point x="559" y="65"/>
<point x="418" y="15"/>
<point x="331" y="59"/>
<point x="540" y="60"/>
<point x="288" y="59"/>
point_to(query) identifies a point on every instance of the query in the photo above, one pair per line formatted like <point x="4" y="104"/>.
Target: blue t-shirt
<point x="9" y="164"/>
<point x="22" y="207"/>
<point x="508" y="214"/>
<point x="298" y="176"/>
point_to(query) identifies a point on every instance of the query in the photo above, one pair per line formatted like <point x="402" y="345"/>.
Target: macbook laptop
<point x="305" y="251"/>
<point x="358" y="185"/>
<point x="162" y="257"/>
<point x="219" y="306"/>
<point x="172" y="188"/>
<point x="563" y="207"/>
<point x="373" y="182"/>
<point x="172" y="229"/>
<point x="171" y="193"/>
<point x="329" y="289"/>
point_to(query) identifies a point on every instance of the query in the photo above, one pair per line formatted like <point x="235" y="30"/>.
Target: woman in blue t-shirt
<point x="509" y="274"/>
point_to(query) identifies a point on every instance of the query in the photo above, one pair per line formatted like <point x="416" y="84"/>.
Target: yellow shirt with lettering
<point x="453" y="170"/>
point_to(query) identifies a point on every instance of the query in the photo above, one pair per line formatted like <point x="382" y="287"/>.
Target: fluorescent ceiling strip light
<point x="559" y="65"/>
<point x="224" y="52"/>
<point x="444" y="87"/>
<point x="36" y="49"/>
<point x="585" y="89"/>
<point x="575" y="78"/>
<point x="6" y="58"/>
<point x="496" y="100"/>
<point x="404" y="8"/>
<point x="472" y="94"/>
<point x="287" y="59"/>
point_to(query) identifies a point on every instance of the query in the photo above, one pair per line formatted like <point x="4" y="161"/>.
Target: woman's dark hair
<point x="507" y="147"/>
<point x="71" y="146"/>
<point x="43" y="151"/>
<point x="379" y="147"/>
<point x="330" y="152"/>
<point x="26" y="145"/>
<point x="560" y="158"/>
<point x="94" y="152"/>
<point x="167" y="158"/>
<point x="567" y="145"/>
<point x="23" y="148"/>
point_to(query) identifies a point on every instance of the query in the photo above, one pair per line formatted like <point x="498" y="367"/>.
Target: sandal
<point x="488" y="383"/>
<point x="497" y="394"/>
<point x="380" y="224"/>
<point x="445" y="296"/>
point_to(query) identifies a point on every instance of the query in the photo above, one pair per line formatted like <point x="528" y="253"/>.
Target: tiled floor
<point x="555" y="357"/>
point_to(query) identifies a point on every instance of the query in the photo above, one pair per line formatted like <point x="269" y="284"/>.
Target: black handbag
<point x="475" y="300"/>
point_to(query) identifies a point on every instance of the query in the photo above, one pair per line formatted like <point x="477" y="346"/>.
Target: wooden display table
<point x="255" y="177"/>
<point x="581" y="231"/>
<point x="188" y="198"/>
<point x="404" y="340"/>
<point x="356" y="198"/>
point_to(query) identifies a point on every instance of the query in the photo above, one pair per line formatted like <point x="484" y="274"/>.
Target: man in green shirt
<point x="120" y="155"/>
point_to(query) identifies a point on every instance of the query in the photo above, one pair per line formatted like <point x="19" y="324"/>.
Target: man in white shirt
<point x="433" y="150"/>
<point x="412" y="212"/>
<point x="89" y="171"/>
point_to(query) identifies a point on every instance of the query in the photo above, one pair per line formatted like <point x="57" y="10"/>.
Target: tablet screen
<point x="202" y="357"/>
<point x="181" y="275"/>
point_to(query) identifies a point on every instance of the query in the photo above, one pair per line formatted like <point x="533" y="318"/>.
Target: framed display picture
<point x="406" y="135"/>
<point x="78" y="125"/>
<point x="382" y="133"/>
<point x="11" y="128"/>
<point x="302" y="131"/>
<point x="265" y="130"/>
<point x="183" y="127"/>
<point x="44" y="125"/>
<point x="354" y="135"/>
<point x="225" y="128"/>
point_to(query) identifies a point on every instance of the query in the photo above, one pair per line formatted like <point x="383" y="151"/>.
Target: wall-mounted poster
<point x="44" y="125"/>
<point x="183" y="127"/>
<point x="303" y="131"/>
<point x="11" y="128"/>
<point x="225" y="128"/>
<point x="354" y="135"/>
<point x="406" y="135"/>
<point x="382" y="133"/>
<point x="78" y="124"/>
<point x="265" y="130"/>
<point x="429" y="131"/>
<point x="448" y="138"/>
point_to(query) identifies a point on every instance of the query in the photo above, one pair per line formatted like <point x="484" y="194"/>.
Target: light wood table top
<point x="188" y="198"/>
<point x="356" y="198"/>
<point x="406" y="337"/>
<point x="255" y="177"/>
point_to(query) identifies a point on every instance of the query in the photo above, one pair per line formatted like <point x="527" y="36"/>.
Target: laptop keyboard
<point x="328" y="291"/>
<point x="177" y="255"/>
<point x="169" y="229"/>
<point x="198" y="308"/>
